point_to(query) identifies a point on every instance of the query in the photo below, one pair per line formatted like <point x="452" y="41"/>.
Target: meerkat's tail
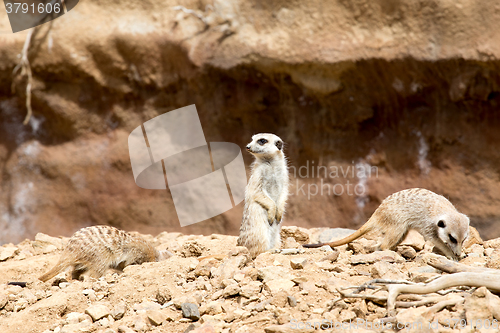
<point x="215" y="256"/>
<point x="61" y="265"/>
<point x="355" y="235"/>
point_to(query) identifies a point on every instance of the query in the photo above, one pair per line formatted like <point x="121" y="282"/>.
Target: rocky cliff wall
<point x="407" y="90"/>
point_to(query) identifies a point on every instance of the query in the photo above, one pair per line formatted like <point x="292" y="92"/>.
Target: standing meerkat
<point x="265" y="195"/>
<point x="94" y="250"/>
<point x="431" y="214"/>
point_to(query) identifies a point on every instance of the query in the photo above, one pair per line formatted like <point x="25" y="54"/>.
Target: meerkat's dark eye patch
<point x="452" y="239"/>
<point x="441" y="224"/>
<point x="262" y="142"/>
<point x="279" y="144"/>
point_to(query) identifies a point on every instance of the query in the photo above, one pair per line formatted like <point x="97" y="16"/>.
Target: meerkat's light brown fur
<point x="94" y="250"/>
<point x="430" y="214"/>
<point x="265" y="195"/>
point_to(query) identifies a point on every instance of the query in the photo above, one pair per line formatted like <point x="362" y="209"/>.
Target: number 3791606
<point x="480" y="323"/>
<point x="20" y="7"/>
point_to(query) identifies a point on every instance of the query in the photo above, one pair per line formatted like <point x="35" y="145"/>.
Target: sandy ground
<point x="291" y="291"/>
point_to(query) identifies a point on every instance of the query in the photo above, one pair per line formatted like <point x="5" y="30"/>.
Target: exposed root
<point x="490" y="281"/>
<point x="192" y="12"/>
<point x="449" y="266"/>
<point x="373" y="298"/>
<point x="24" y="65"/>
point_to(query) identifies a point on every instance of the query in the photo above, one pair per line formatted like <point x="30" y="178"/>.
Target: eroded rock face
<point x="409" y="91"/>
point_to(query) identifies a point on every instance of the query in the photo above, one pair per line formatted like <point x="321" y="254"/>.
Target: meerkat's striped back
<point x="96" y="249"/>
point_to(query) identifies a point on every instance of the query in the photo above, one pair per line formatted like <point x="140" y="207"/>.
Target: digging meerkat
<point x="94" y="250"/>
<point x="431" y="214"/>
<point x="265" y="195"/>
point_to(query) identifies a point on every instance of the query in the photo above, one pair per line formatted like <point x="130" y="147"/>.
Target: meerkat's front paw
<point x="271" y="215"/>
<point x="279" y="215"/>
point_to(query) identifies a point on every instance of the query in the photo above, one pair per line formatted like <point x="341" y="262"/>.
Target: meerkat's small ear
<point x="279" y="144"/>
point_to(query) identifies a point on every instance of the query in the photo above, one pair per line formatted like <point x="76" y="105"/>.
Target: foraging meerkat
<point x="265" y="195"/>
<point x="94" y="250"/>
<point x="431" y="214"/>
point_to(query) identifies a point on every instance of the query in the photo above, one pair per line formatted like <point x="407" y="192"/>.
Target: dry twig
<point x="490" y="281"/>
<point x="24" y="64"/>
<point x="449" y="266"/>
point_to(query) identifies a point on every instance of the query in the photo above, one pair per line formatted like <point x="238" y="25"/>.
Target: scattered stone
<point x="292" y="251"/>
<point x="347" y="315"/>
<point x="109" y="330"/>
<point x="8" y="252"/>
<point x="333" y="234"/>
<point x="362" y="246"/>
<point x="156" y="317"/>
<point x="4" y="299"/>
<point x="444" y="317"/>
<point x="477" y="306"/>
<point x="119" y="311"/>
<point x="190" y="311"/>
<point x="259" y="307"/>
<point x="292" y="301"/>
<point x="87" y="292"/>
<point x="414" y="320"/>
<point x="227" y="268"/>
<point x="63" y="285"/>
<point x="43" y="240"/>
<point x="473" y="238"/>
<point x="327" y="248"/>
<point x="140" y="324"/>
<point x="227" y="282"/>
<point x="211" y="308"/>
<point x="272" y="273"/>
<point x="423" y="277"/>
<point x="206" y="328"/>
<point x="279" y="284"/>
<point x="299" y="234"/>
<point x="238" y="277"/>
<point x="163" y="295"/>
<point x="239" y="251"/>
<point x="407" y="252"/>
<point x="298" y="263"/>
<point x="385" y="270"/>
<point x="291" y="243"/>
<point x="492" y="243"/>
<point x="28" y="296"/>
<point x="279" y="299"/>
<point x="83" y="326"/>
<point x="332" y="256"/>
<point x="494" y="259"/>
<point x="476" y="249"/>
<point x="251" y="289"/>
<point x="387" y="255"/>
<point x="205" y="267"/>
<point x="415" y="240"/>
<point x="231" y="290"/>
<point x="216" y="295"/>
<point x="125" y="329"/>
<point x="146" y="306"/>
<point x="97" y="311"/>
<point x="192" y="249"/>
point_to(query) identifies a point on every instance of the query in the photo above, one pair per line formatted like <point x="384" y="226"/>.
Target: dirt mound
<point x="296" y="290"/>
